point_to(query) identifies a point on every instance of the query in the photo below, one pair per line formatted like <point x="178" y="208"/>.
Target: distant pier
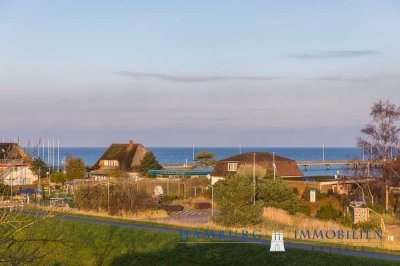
<point x="307" y="164"/>
<point x="328" y="164"/>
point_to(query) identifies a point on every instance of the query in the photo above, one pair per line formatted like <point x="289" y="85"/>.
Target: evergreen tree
<point x="204" y="159"/>
<point x="149" y="162"/>
<point x="234" y="197"/>
<point x="275" y="193"/>
<point x="38" y="165"/>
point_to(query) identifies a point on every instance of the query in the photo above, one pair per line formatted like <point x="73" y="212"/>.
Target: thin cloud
<point x="333" y="54"/>
<point x="187" y="78"/>
<point x="350" y="78"/>
<point x="360" y="78"/>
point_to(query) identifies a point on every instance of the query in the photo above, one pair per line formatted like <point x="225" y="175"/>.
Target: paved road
<point x="193" y="213"/>
<point x="263" y="242"/>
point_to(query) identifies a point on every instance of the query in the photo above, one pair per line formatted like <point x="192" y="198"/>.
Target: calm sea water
<point x="180" y="155"/>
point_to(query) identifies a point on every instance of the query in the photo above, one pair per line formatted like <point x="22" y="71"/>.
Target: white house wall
<point x="19" y="176"/>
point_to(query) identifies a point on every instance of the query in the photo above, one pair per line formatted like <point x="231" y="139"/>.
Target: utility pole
<point x="212" y="200"/>
<point x="254" y="178"/>
<point x="48" y="152"/>
<point x="53" y="157"/>
<point x="11" y="187"/>
<point x="193" y="155"/>
<point x="48" y="181"/>
<point x="363" y="154"/>
<point x="386" y="197"/>
<point x="273" y="165"/>
<point x="58" y="155"/>
<point x="108" y="195"/>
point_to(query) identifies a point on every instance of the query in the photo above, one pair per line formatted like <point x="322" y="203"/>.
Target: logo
<point x="277" y="243"/>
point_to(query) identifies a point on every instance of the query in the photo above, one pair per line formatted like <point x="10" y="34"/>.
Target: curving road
<point x="263" y="242"/>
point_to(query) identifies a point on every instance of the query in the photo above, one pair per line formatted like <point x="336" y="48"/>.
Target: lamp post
<point x="108" y="195"/>
<point x="212" y="200"/>
<point x="11" y="187"/>
<point x="48" y="181"/>
<point x="274" y="165"/>
<point x="254" y="178"/>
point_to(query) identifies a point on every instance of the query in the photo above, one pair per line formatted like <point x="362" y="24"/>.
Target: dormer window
<point x="110" y="163"/>
<point x="232" y="167"/>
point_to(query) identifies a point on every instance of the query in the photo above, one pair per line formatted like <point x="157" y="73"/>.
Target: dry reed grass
<point x="142" y="215"/>
<point x="278" y="219"/>
<point x="274" y="220"/>
<point x="187" y="203"/>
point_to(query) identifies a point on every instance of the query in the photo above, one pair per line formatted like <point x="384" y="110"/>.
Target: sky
<point x="205" y="73"/>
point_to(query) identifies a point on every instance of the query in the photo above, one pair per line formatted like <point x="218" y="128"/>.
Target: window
<point x="232" y="167"/>
<point x="111" y="163"/>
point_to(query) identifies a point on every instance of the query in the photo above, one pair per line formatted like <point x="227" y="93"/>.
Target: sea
<point x="182" y="155"/>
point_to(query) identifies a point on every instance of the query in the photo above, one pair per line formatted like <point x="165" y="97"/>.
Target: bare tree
<point x="28" y="236"/>
<point x="382" y="134"/>
<point x="380" y="138"/>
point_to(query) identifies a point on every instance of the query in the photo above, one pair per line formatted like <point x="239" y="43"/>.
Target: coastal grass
<point x="279" y="220"/>
<point x="99" y="244"/>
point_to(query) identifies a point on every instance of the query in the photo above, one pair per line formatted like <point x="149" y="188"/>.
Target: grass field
<point x="93" y="244"/>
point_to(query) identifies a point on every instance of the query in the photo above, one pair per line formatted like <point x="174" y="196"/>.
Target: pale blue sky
<point x="209" y="73"/>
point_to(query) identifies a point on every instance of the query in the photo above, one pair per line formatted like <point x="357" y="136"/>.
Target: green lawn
<point x="92" y="244"/>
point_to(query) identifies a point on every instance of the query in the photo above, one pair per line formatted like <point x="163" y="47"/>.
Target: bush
<point x="207" y="193"/>
<point x="58" y="177"/>
<point x="123" y="197"/>
<point x="75" y="169"/>
<point x="343" y="200"/>
<point x="305" y="210"/>
<point x="328" y="212"/>
<point x="369" y="225"/>
<point x="5" y="190"/>
<point x="376" y="207"/>
<point x="275" y="193"/>
<point x="170" y="198"/>
<point x="346" y="220"/>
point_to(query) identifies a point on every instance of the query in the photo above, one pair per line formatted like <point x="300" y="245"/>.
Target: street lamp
<point x="48" y="181"/>
<point x="212" y="200"/>
<point x="254" y="178"/>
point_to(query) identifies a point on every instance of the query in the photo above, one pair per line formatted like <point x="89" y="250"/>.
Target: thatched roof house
<point x="125" y="156"/>
<point x="284" y="167"/>
<point x="12" y="151"/>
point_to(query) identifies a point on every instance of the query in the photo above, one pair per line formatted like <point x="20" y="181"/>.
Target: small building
<point x="324" y="184"/>
<point x="359" y="214"/>
<point x="284" y="167"/>
<point x="124" y="156"/>
<point x="15" y="165"/>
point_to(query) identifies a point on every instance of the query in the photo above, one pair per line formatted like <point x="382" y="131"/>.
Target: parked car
<point x="359" y="202"/>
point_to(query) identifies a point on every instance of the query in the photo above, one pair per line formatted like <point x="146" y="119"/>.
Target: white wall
<point x="21" y="176"/>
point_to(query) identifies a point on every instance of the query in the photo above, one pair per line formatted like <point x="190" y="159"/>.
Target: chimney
<point x="130" y="143"/>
